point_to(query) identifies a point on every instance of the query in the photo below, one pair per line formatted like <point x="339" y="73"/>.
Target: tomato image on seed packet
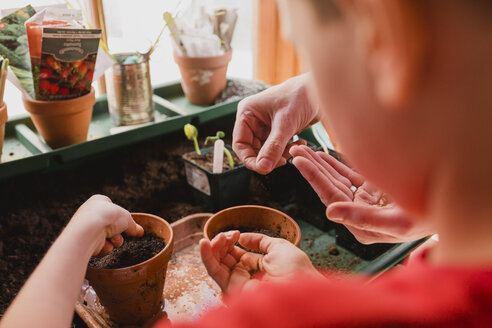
<point x="67" y="63"/>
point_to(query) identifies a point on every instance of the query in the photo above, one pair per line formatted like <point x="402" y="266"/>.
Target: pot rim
<point x="3" y="113"/>
<point x="169" y="244"/>
<point x="203" y="62"/>
<point x="297" y="240"/>
<point x="35" y="110"/>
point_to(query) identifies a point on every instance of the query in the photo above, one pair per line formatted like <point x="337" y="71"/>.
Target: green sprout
<point x="221" y="135"/>
<point x="191" y="132"/>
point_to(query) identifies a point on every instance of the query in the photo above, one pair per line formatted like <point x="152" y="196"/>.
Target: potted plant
<point x="203" y="78"/>
<point x="253" y="218"/>
<point x="202" y="50"/>
<point x="134" y="294"/>
<point x="55" y="79"/>
<point x="215" y="191"/>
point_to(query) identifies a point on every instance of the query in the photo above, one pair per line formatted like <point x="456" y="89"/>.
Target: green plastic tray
<point x="24" y="151"/>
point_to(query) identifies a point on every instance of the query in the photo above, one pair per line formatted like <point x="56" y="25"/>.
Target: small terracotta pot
<point x="253" y="216"/>
<point x="133" y="295"/>
<point x="203" y="78"/>
<point x="62" y="122"/>
<point x="3" y="120"/>
<point x="189" y="230"/>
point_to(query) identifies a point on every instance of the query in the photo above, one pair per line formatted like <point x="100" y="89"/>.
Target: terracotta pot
<point x="203" y="78"/>
<point x="62" y="122"/>
<point x="189" y="230"/>
<point x="133" y="295"/>
<point x="3" y="120"/>
<point x="253" y="216"/>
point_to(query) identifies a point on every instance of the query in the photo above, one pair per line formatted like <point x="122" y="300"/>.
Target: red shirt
<point x="415" y="296"/>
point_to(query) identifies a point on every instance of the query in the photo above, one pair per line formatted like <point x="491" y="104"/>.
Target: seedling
<point x="213" y="188"/>
<point x="221" y="135"/>
<point x="191" y="132"/>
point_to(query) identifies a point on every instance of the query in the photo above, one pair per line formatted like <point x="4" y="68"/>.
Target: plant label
<point x="197" y="179"/>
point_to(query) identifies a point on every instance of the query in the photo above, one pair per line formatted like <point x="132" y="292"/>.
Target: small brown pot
<point x="62" y="122"/>
<point x="253" y="216"/>
<point x="133" y="295"/>
<point x="203" y="78"/>
<point x="3" y="120"/>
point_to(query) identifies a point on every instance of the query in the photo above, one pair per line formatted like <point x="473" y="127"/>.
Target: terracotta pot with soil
<point x="254" y="218"/>
<point x="62" y="122"/>
<point x="216" y="191"/>
<point x="3" y="120"/>
<point x="130" y="280"/>
<point x="203" y="78"/>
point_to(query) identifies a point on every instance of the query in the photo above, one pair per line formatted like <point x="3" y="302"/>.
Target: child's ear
<point x="393" y="39"/>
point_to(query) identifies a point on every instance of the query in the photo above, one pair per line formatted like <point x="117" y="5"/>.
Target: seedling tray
<point x="216" y="191"/>
<point x="24" y="151"/>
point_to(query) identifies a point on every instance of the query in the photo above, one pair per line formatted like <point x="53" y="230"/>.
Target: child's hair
<point x="326" y="9"/>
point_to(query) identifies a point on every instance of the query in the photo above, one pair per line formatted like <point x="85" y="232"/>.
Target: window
<point x="132" y="27"/>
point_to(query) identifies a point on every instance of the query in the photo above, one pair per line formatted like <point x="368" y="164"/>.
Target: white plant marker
<point x="218" y="156"/>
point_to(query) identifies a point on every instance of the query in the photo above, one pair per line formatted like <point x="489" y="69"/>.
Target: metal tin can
<point x="130" y="92"/>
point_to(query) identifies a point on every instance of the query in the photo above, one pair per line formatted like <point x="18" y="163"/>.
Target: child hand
<point x="365" y="212"/>
<point x="106" y="221"/>
<point x="234" y="268"/>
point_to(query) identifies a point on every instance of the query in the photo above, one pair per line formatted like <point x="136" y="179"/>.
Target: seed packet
<point x="63" y="54"/>
<point x="49" y="17"/>
<point x="68" y="60"/>
<point x="14" y="46"/>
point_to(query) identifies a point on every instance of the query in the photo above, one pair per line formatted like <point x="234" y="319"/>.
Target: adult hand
<point x="353" y="202"/>
<point x="267" y="121"/>
<point x="107" y="220"/>
<point x="234" y="268"/>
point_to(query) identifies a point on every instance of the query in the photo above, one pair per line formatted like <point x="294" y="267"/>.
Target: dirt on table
<point x="134" y="250"/>
<point x="207" y="161"/>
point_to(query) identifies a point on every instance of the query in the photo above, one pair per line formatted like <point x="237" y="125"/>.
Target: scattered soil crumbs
<point x="333" y="250"/>
<point x="134" y="250"/>
<point x="207" y="161"/>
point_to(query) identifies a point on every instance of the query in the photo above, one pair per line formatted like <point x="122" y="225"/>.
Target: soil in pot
<point x="207" y="161"/>
<point x="267" y="232"/>
<point x="134" y="250"/>
<point x="263" y="231"/>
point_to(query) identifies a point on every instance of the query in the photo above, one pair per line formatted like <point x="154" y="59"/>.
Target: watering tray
<point x="189" y="291"/>
<point x="24" y="151"/>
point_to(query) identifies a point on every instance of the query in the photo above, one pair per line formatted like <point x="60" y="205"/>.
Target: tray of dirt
<point x="188" y="291"/>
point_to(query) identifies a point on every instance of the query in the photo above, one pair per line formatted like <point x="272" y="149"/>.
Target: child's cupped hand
<point x="235" y="268"/>
<point x="100" y="217"/>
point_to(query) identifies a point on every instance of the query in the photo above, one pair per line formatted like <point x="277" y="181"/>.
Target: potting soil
<point x="207" y="161"/>
<point x="134" y="250"/>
